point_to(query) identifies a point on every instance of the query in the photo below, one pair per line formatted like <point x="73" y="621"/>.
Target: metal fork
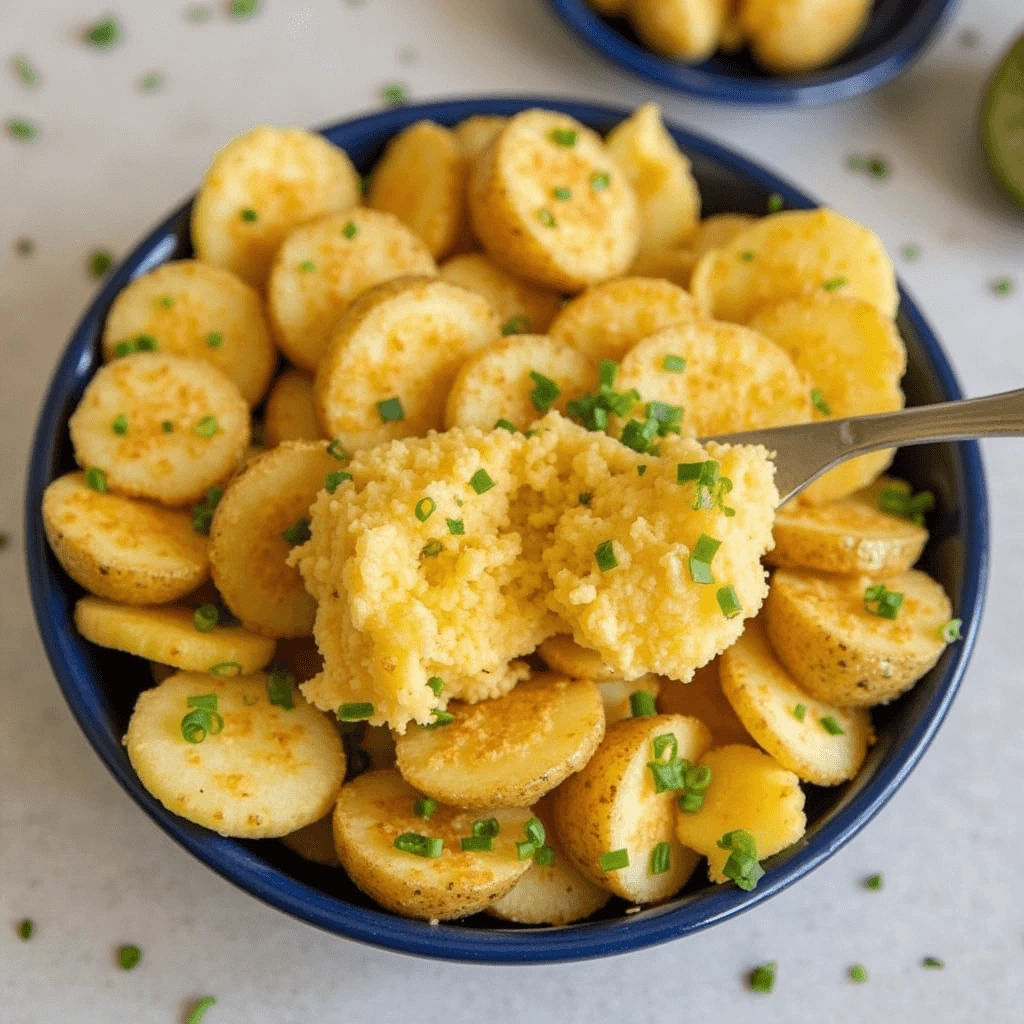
<point x="804" y="451"/>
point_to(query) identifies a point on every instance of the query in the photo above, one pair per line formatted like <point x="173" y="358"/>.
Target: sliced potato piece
<point x="498" y="382"/>
<point x="524" y="308"/>
<point x="675" y="265"/>
<point x="193" y="309"/>
<point x="120" y="548"/>
<point x="852" y="535"/>
<point x="550" y="203"/>
<point x="732" y="39"/>
<point x="375" y="809"/>
<point x="734" y="378"/>
<point x="421" y="179"/>
<point x="259" y="187"/>
<point x="613" y="805"/>
<point x="791" y="254"/>
<point x="617" y="694"/>
<point x="315" y="842"/>
<point x="168" y="635"/>
<point x="266" y="772"/>
<point x="550" y="894"/>
<point x="290" y="414"/>
<point x="749" y="790"/>
<point x="717" y="230"/>
<point x="562" y="654"/>
<point x="660" y="174"/>
<point x="248" y="546"/>
<point x="791" y="37"/>
<point x="702" y="698"/>
<point x="686" y="30"/>
<point x="854" y="356"/>
<point x="606" y="321"/>
<point x="323" y="267"/>
<point x="161" y="427"/>
<point x="391" y="361"/>
<point x="476" y="133"/>
<point x="839" y="651"/>
<point x="785" y="721"/>
<point x="302" y="657"/>
<point x="506" y="752"/>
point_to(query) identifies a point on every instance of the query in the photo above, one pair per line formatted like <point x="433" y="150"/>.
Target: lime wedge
<point x="1002" y="122"/>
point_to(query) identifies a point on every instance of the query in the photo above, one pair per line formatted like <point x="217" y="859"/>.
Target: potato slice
<point x="120" y="548"/>
<point x="497" y="383"/>
<point x="391" y="361"/>
<point x="315" y="842"/>
<point x="476" y="133"/>
<point x="562" y="654"/>
<point x="259" y="187"/>
<point x="852" y="535"/>
<point x="617" y="694"/>
<point x="675" y="265"/>
<point x="612" y="805"/>
<point x="290" y="414"/>
<point x="322" y="267"/>
<point x="161" y="427"/>
<point x="248" y="549"/>
<point x="686" y="30"/>
<point x="734" y="378"/>
<point x="377" y="808"/>
<point x="193" y="309"/>
<point x="717" y="230"/>
<point x="267" y="772"/>
<point x="506" y="752"/>
<point x="785" y="721"/>
<point x="749" y="790"/>
<point x="840" y="652"/>
<point x="854" y="357"/>
<point x="168" y="635"/>
<point x="524" y="308"/>
<point x="732" y="39"/>
<point x="421" y="179"/>
<point x="606" y="321"/>
<point x="554" y="894"/>
<point x="550" y="203"/>
<point x="791" y="254"/>
<point x="702" y="698"/>
<point x="791" y="37"/>
<point x="660" y="173"/>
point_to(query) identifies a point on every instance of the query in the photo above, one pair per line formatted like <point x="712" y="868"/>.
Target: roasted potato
<point x="717" y="230"/>
<point x="702" y="698"/>
<point x="315" y="842"/>
<point x="675" y="265"/>
<point x="562" y="654"/>
<point x="290" y="414"/>
<point x="686" y="30"/>
<point x="617" y="695"/>
<point x="476" y="133"/>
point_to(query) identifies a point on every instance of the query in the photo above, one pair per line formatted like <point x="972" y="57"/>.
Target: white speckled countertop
<point x="78" y="857"/>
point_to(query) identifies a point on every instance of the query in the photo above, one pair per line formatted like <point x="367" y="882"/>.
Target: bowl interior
<point x="101" y="685"/>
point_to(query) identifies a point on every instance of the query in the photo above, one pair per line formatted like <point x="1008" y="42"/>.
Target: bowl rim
<point x="241" y="866"/>
<point x="829" y="85"/>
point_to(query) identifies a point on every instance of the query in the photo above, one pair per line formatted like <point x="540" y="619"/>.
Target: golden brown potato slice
<point x="391" y="361"/>
<point x="686" y="30"/>
<point x="377" y="810"/>
<point x="161" y="427"/>
<point x="611" y="818"/>
<point x="188" y="308"/>
<point x="169" y="635"/>
<point x="749" y="790"/>
<point x="120" y="548"/>
<point x="512" y="380"/>
<point x="259" y="187"/>
<point x="562" y="654"/>
<point x="506" y="752"/>
<point x="315" y="842"/>
<point x="219" y="753"/>
<point x="734" y="378"/>
<point x="549" y="203"/>
<point x="606" y="321"/>
<point x="854" y="358"/>
<point x="524" y="308"/>
<point x="852" y="535"/>
<point x="322" y="267"/>
<point x="790" y="37"/>
<point x="829" y="633"/>
<point x="702" y="698"/>
<point x="675" y="265"/>
<point x="476" y="133"/>
<point x="263" y="514"/>
<point x="717" y="230"/>
<point x="290" y="414"/>
<point x="822" y="743"/>
<point x="617" y="695"/>
<point x="786" y="255"/>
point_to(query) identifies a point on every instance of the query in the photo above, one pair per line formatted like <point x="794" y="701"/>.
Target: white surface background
<point x="92" y="870"/>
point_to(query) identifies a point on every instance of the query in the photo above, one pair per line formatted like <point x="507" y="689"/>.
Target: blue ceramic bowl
<point x="898" y="33"/>
<point x="101" y="685"/>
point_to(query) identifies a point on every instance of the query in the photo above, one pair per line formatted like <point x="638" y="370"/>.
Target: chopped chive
<point x="775" y="202"/>
<point x="105" y="32"/>
<point x="666" y="741"/>
<point x="900" y="501"/>
<point x="129" y="957"/>
<point x="96" y="479"/>
<point x="432" y="549"/>
<point x="425" y="509"/>
<point x="831" y="726"/>
<point x="660" y="859"/>
<point x="877" y="167"/>
<point x="151" y="82"/>
<point x="335" y="451"/>
<point x="674" y="364"/>
<point x="167" y="426"/>
<point x="881" y="601"/>
<point x="215" y="339"/>
<point x="911" y="251"/>
<point x="143" y="343"/>
<point x="357" y="711"/>
<point x="858" y="973"/>
<point x="165" y="301"/>
<point x="833" y="284"/>
<point x="424" y="808"/>
<point x="729" y="601"/>
<point x="762" y="978"/>
<point x="441" y="718"/>
<point x="298" y="532"/>
<point x="605" y="555"/>
<point x="202" y="513"/>
<point x="669" y="776"/>
<point x="100" y="262"/>
<point x="819" y="403"/>
<point x="455" y="526"/>
<point x="545" y="216"/>
<point x="742" y="866"/>
<point x="584" y="497"/>
<point x="25" y="71"/>
<point x="244" y="8"/>
<point x="747" y="256"/>
<point x="1002" y="286"/>
<point x="26" y="927"/>
<point x="691" y="803"/>
<point x="641" y="704"/>
<point x="249" y="215"/>
<point x="350" y="230"/>
<point x="332" y="481"/>
<point x="669" y="418"/>
<point x="613" y="860"/>
<point x="481" y="481"/>
<point x="391" y="410"/>
<point x="478" y="844"/>
<point x="419" y="845"/>
<point x="207" y="426"/>
<point x="307" y="266"/>
<point x="525" y="849"/>
<point x="933" y="963"/>
<point x="395" y="95"/>
<point x="950" y="631"/>
<point x="436" y="684"/>
<point x="873" y="882"/>
<point x="487" y="827"/>
<point x="564" y="136"/>
<point x="199" y="1010"/>
<point x="701" y="557"/>
<point x="698" y="778"/>
<point x="544" y="394"/>
<point x="516" y="325"/>
<point x="535" y="831"/>
<point x="800" y="712"/>
<point x="205" y="618"/>
<point x="544" y="857"/>
<point x="281" y="688"/>
<point x="638" y="434"/>
<point x="22" y="130"/>
<point x="607" y="372"/>
<point x="120" y="425"/>
<point x="561" y="193"/>
<point x="600" y="180"/>
<point x="200" y="722"/>
<point x="226" y="668"/>
<point x="641" y="469"/>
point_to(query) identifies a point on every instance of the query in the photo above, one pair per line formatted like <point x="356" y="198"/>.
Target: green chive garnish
<point x="226" y="668"/>
<point x="1002" y="286"/>
<point x="544" y="394"/>
<point x="358" y="711"/>
<point x="100" y="262"/>
<point x="281" y="688"/>
<point x="151" y="82"/>
<point x="742" y="866"/>
<point x="561" y="193"/>
<point x="26" y="926"/>
<point x="545" y="216"/>
<point x="873" y="882"/>
<point x="729" y="602"/>
<point x="456" y="526"/>
<point x="207" y="426"/>
<point x="544" y="857"/>
<point x="911" y="251"/>
<point x="674" y="364"/>
<point x="432" y="549"/>
<point x="641" y="469"/>
<point x="25" y="71"/>
<point x="395" y="95"/>
<point x="199" y="1010"/>
<point x="335" y="451"/>
<point x="613" y="860"/>
<point x="900" y="501"/>
<point x="436" y="684"/>
<point x="691" y="803"/>
<point x="307" y="266"/>
<point x="525" y="849"/>
<point x="19" y="128"/>
<point x="800" y="712"/>
<point x="641" y="704"/>
<point x="165" y="301"/>
<point x="120" y="425"/>
<point x="858" y="973"/>
<point x="516" y="325"/>
<point x="481" y="481"/>
<point x="660" y="859"/>
<point x="424" y="808"/>
<point x="105" y="32"/>
<point x="129" y="957"/>
<point x="249" y="215"/>
<point x="747" y="256"/>
<point x="831" y="726"/>
<point x="425" y="509"/>
<point x="564" y="136"/>
<point x="600" y="180"/>
<point x="819" y="403"/>
<point x="419" y="845"/>
<point x="244" y="8"/>
<point x="950" y="631"/>
<point x="881" y="601"/>
<point x="775" y="203"/>
<point x="487" y="827"/>
<point x="167" y="426"/>
<point x="605" y="555"/>
<point x="143" y="343"/>
<point x="441" y="718"/>
<point x="96" y="479"/>
<point x="478" y="844"/>
<point x="933" y="963"/>
<point x="584" y="497"/>
<point x="298" y="532"/>
<point x="334" y="480"/>
<point x="391" y="410"/>
<point x="535" y="831"/>
<point x="205" y="618"/>
<point x="762" y="979"/>
<point x="833" y="284"/>
<point x="700" y="559"/>
<point x="202" y="514"/>
<point x="203" y="720"/>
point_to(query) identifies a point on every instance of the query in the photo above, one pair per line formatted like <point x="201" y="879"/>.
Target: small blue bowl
<point x="897" y="35"/>
<point x="101" y="685"/>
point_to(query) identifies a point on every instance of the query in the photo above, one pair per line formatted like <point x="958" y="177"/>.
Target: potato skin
<point x="290" y="414"/>
<point x="686" y="30"/>
<point x="562" y="654"/>
<point x="702" y="698"/>
<point x="842" y="654"/>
